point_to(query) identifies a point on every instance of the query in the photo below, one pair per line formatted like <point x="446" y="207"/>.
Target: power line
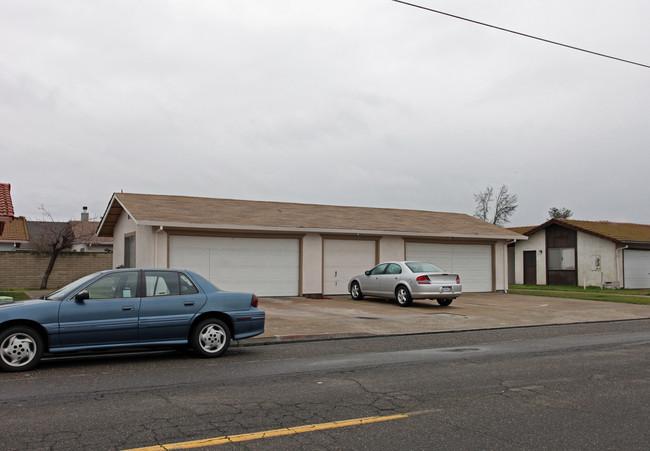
<point x="522" y="34"/>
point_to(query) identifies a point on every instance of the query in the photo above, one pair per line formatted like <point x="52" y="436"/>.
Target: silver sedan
<point x="405" y="281"/>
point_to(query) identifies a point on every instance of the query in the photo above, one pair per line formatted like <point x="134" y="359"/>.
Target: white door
<point x="264" y="266"/>
<point x="344" y="259"/>
<point x="636" y="264"/>
<point x="472" y="262"/>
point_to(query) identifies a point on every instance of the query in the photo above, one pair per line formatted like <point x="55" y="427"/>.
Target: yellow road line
<point x="272" y="433"/>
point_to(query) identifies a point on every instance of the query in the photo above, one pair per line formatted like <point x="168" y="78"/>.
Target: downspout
<point x="507" y="284"/>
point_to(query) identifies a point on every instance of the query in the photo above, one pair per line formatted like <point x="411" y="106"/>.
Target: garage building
<point x="290" y="249"/>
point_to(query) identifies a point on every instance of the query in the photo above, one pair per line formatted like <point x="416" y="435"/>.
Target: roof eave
<point x="248" y="228"/>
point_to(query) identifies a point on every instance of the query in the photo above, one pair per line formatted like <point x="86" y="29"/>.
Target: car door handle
<point x="188" y="303"/>
<point x="127" y="307"/>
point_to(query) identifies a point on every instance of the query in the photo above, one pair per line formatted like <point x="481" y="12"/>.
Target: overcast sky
<point x="365" y="102"/>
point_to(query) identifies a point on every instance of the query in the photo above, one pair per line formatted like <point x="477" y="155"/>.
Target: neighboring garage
<point x="637" y="268"/>
<point x="288" y="249"/>
<point x="344" y="259"/>
<point x="260" y="265"/>
<point x="473" y="262"/>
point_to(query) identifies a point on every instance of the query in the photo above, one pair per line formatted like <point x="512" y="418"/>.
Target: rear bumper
<point x="436" y="291"/>
<point x="248" y="324"/>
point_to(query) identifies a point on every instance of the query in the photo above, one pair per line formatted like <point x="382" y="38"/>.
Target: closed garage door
<point x="637" y="268"/>
<point x="344" y="259"/>
<point x="473" y="262"/>
<point x="264" y="266"/>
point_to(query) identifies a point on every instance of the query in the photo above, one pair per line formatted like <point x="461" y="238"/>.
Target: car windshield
<point x="423" y="267"/>
<point x="70" y="288"/>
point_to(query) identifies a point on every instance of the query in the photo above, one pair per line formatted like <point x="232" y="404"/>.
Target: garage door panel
<point x="344" y="259"/>
<point x="473" y="262"/>
<point x="264" y="266"/>
<point x="637" y="268"/>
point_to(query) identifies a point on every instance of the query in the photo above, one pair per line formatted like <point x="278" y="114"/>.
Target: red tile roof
<point x="6" y="206"/>
<point x="15" y="231"/>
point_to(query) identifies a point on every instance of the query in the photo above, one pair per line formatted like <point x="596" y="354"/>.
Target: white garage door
<point x="473" y="262"/>
<point x="344" y="259"/>
<point x="264" y="266"/>
<point x="637" y="268"/>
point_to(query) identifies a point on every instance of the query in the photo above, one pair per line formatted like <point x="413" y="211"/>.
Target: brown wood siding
<point x="561" y="237"/>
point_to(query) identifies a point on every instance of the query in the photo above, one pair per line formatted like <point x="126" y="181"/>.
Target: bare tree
<point x="53" y="238"/>
<point x="505" y="205"/>
<point x="559" y="213"/>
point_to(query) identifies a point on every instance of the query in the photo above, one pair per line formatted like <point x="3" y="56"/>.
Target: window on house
<point x="562" y="259"/>
<point x="129" y="251"/>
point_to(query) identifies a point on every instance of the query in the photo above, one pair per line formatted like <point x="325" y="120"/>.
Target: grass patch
<point x="16" y="295"/>
<point x="590" y="289"/>
<point x="623" y="296"/>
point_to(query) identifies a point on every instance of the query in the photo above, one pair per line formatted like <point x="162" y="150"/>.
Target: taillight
<point x="423" y="280"/>
<point x="457" y="280"/>
<point x="255" y="301"/>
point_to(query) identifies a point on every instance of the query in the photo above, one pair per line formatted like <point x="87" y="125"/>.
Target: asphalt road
<point x="552" y="387"/>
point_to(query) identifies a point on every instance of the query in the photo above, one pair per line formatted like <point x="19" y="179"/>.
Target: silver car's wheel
<point x="355" y="291"/>
<point x="403" y="296"/>
<point x="210" y="338"/>
<point x="444" y="302"/>
<point x="21" y="348"/>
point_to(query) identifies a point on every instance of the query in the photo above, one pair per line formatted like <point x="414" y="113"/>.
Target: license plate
<point x="446" y="289"/>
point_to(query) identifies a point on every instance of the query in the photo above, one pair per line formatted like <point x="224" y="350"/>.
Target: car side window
<point x="168" y="283"/>
<point x="187" y="287"/>
<point x="161" y="283"/>
<point x="116" y="285"/>
<point x="379" y="269"/>
<point x="394" y="268"/>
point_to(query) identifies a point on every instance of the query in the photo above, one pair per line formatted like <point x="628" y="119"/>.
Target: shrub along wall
<point x="26" y="269"/>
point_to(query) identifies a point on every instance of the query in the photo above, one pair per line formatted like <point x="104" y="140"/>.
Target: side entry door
<point x="109" y="314"/>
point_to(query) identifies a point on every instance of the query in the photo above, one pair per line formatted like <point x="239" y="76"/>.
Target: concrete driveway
<point x="296" y="318"/>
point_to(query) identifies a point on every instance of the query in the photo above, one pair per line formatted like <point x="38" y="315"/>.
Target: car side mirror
<point x="82" y="296"/>
<point x="368" y="273"/>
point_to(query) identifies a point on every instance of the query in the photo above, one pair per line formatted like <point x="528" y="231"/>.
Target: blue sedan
<point x="127" y="308"/>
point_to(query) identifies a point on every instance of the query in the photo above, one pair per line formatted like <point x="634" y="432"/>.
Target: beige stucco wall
<point x="590" y="247"/>
<point x="537" y="243"/>
<point x="391" y="248"/>
<point x="312" y="264"/>
<point x="123" y="226"/>
<point x="152" y="250"/>
<point x="500" y="250"/>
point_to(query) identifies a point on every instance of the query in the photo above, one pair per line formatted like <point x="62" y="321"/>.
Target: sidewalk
<point x="296" y="318"/>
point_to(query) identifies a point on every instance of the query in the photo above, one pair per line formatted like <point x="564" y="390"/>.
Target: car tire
<point x="403" y="296"/>
<point x="355" y="291"/>
<point x="444" y="302"/>
<point x="210" y="338"/>
<point x="21" y="348"/>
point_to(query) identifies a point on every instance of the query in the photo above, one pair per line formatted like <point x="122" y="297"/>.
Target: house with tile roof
<point x="291" y="249"/>
<point x="14" y="235"/>
<point x="6" y="205"/>
<point x="573" y="252"/>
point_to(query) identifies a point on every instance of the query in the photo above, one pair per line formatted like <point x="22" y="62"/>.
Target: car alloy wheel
<point x="20" y="349"/>
<point x="211" y="338"/>
<point x="403" y="296"/>
<point x="355" y="292"/>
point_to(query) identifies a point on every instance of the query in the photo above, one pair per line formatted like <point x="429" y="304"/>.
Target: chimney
<point x="84" y="214"/>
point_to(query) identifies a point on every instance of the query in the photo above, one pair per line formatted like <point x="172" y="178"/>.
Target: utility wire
<point x="522" y="34"/>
